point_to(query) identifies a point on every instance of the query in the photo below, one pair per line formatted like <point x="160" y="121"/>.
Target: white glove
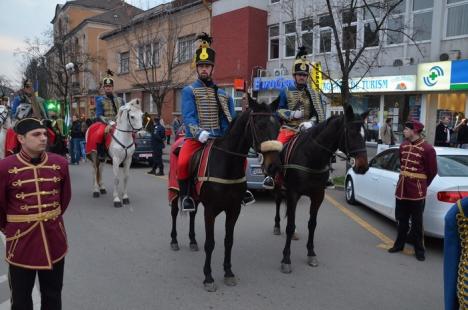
<point x="111" y="123"/>
<point x="203" y="137"/>
<point x="297" y="114"/>
<point x="306" y="125"/>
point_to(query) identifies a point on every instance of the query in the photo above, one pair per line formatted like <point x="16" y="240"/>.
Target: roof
<point x="166" y="8"/>
<point x="118" y="16"/>
<point x="92" y="4"/>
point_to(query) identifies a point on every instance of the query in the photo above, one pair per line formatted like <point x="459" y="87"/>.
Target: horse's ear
<point x="274" y="105"/>
<point x="252" y="102"/>
<point x="349" y="112"/>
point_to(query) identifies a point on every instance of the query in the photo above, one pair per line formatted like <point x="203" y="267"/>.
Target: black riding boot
<point x="101" y="151"/>
<point x="187" y="202"/>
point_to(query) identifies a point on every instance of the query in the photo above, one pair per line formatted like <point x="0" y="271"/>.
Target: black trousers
<point x="157" y="160"/>
<point x="50" y="283"/>
<point x="404" y="211"/>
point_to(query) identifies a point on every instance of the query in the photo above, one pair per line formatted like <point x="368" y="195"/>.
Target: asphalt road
<point x="121" y="258"/>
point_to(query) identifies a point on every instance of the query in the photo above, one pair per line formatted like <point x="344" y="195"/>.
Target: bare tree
<point x="152" y="39"/>
<point x="353" y="54"/>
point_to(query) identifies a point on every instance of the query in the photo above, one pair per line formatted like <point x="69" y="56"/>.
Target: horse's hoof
<point x="230" y="281"/>
<point x="286" y="268"/>
<point x="175" y="247"/>
<point x="103" y="191"/>
<point x="117" y="204"/>
<point x="194" y="247"/>
<point x="126" y="201"/>
<point x="276" y="231"/>
<point x="295" y="236"/>
<point x="96" y="195"/>
<point x="210" y="287"/>
<point x="312" y="261"/>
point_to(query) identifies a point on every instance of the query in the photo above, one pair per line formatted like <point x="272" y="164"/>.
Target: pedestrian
<point x="77" y="136"/>
<point x="157" y="143"/>
<point x="418" y="167"/>
<point x="168" y="133"/>
<point x="176" y="124"/>
<point x="443" y="132"/>
<point x="34" y="193"/>
<point x="462" y="133"/>
<point x="387" y="137"/>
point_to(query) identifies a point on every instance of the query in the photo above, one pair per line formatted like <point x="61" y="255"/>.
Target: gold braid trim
<point x="462" y="281"/>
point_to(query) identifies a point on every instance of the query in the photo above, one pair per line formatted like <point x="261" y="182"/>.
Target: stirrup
<point x="248" y="198"/>
<point x="187" y="204"/>
<point x="268" y="183"/>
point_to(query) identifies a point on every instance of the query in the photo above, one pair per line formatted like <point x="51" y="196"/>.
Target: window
<point x="274" y="1"/>
<point x="141" y="57"/>
<point x="307" y="27"/>
<point x="395" y="27"/>
<point x="185" y="48"/>
<point x="422" y="19"/>
<point x="384" y="160"/>
<point x="457" y="23"/>
<point x="325" y="33"/>
<point x="124" y="62"/>
<point x="371" y="17"/>
<point x="148" y="55"/>
<point x="349" y="29"/>
<point x="155" y="55"/>
<point x="274" y="41"/>
<point x="236" y="97"/>
<point x="290" y="33"/>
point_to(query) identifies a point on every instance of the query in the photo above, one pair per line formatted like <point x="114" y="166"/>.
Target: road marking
<point x="387" y="242"/>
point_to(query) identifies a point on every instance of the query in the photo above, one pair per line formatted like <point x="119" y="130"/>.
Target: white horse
<point x="5" y="124"/>
<point x="121" y="149"/>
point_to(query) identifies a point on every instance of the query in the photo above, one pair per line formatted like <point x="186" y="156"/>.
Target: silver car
<point x="253" y="171"/>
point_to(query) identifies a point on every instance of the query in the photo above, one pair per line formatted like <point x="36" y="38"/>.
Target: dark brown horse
<point x="258" y="128"/>
<point x="307" y="171"/>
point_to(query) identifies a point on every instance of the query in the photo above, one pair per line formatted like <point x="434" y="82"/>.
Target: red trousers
<point x="189" y="148"/>
<point x="285" y="135"/>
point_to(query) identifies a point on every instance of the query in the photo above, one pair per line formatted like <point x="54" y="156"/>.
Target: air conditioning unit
<point x="280" y="72"/>
<point x="408" y="61"/>
<point x="452" y="55"/>
<point x="262" y="73"/>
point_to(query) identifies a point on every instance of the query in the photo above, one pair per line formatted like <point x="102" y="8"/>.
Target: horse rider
<point x="456" y="256"/>
<point x="34" y="193"/>
<point x="207" y="112"/>
<point x="107" y="107"/>
<point x="418" y="167"/>
<point x="27" y="96"/>
<point x="299" y="107"/>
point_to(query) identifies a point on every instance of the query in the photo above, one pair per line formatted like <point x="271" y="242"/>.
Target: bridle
<point x="129" y="123"/>
<point x="249" y="126"/>
<point x="126" y="147"/>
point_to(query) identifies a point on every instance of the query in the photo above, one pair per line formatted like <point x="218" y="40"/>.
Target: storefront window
<point x="401" y="108"/>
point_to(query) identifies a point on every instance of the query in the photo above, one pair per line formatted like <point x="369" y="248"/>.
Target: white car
<point x="376" y="188"/>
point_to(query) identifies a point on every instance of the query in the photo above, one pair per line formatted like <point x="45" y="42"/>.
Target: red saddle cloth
<point x="286" y="156"/>
<point x="96" y="135"/>
<point x="12" y="144"/>
<point x="202" y="167"/>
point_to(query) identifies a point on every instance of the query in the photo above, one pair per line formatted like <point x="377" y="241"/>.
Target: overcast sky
<point x="21" y="19"/>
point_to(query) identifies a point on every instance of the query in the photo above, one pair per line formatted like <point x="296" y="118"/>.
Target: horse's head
<point x="130" y="115"/>
<point x="23" y="111"/>
<point x="3" y="114"/>
<point x="353" y="143"/>
<point x="265" y="127"/>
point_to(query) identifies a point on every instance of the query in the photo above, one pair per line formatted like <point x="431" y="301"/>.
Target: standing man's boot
<point x="187" y="202"/>
<point x="161" y="172"/>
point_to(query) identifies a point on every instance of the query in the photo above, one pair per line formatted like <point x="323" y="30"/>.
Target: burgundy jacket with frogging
<point x="33" y="199"/>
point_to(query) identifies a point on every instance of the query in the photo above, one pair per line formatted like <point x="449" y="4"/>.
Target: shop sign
<point x="459" y="76"/>
<point x="278" y="83"/>
<point x="434" y="75"/>
<point x="397" y="83"/>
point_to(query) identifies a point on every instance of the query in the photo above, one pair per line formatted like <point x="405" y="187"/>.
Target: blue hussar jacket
<point x="291" y="99"/>
<point x="104" y="110"/>
<point x="452" y="251"/>
<point x="200" y="111"/>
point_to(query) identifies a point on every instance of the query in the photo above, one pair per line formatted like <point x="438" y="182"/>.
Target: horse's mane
<point x="314" y="131"/>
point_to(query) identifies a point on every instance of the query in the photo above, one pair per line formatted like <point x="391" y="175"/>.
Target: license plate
<point x="257" y="171"/>
<point x="145" y="155"/>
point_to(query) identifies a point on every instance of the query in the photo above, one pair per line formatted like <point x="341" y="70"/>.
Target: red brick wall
<point x="240" y="40"/>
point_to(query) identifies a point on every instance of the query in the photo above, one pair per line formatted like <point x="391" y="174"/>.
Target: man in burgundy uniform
<point x="34" y="194"/>
<point x="418" y="167"/>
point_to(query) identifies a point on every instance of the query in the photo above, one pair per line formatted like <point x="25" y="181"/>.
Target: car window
<point x="384" y="160"/>
<point x="452" y="165"/>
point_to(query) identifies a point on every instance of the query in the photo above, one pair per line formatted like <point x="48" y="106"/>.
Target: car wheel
<point x="349" y="191"/>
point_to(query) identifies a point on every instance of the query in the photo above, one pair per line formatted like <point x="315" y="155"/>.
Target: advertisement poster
<point x="414" y="108"/>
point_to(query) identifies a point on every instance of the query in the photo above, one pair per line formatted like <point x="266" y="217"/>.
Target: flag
<point x="316" y="76"/>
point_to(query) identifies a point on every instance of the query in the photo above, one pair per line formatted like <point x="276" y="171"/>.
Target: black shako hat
<point x="27" y="124"/>
<point x="204" y="53"/>
<point x="301" y="64"/>
<point x="108" y="80"/>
